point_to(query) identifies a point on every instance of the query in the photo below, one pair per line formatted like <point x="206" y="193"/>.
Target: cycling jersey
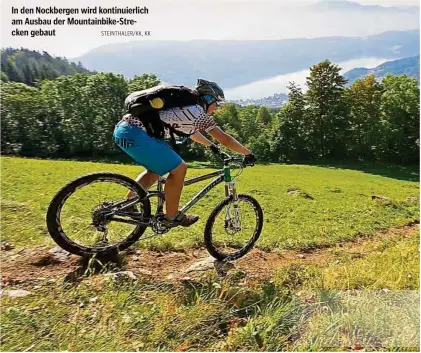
<point x="187" y="120"/>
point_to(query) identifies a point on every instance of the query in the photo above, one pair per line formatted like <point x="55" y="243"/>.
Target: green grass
<point x="373" y="302"/>
<point x="342" y="208"/>
<point x="370" y="302"/>
<point x="395" y="269"/>
<point x="209" y="314"/>
<point x="393" y="265"/>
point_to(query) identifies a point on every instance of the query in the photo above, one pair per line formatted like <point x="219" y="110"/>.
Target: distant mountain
<point x="29" y="66"/>
<point x="274" y="101"/>
<point x="233" y="63"/>
<point x="407" y="66"/>
<point x="343" y="5"/>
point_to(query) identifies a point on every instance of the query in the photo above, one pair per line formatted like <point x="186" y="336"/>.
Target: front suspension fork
<point x="233" y="215"/>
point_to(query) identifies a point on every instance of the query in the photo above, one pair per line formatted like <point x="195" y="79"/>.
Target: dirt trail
<point x="29" y="266"/>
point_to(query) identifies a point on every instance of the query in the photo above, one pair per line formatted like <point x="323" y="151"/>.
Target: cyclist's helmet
<point x="209" y="91"/>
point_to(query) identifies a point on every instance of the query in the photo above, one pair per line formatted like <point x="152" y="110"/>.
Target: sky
<point x="192" y="19"/>
<point x="363" y="2"/>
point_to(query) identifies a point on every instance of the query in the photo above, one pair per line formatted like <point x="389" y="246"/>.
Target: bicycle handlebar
<point x="227" y="158"/>
<point x="186" y="141"/>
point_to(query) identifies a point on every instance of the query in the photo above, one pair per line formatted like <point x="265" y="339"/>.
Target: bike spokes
<point x="87" y="215"/>
<point x="232" y="219"/>
<point x="233" y="227"/>
<point x="236" y="228"/>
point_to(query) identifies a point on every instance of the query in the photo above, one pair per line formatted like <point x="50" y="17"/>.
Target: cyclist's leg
<point x="158" y="158"/>
<point x="145" y="179"/>
<point x="154" y="154"/>
<point x="173" y="188"/>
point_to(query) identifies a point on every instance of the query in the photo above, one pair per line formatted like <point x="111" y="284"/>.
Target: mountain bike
<point x="93" y="214"/>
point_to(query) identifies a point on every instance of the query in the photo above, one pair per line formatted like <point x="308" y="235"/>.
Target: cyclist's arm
<point x="228" y="141"/>
<point x="205" y="123"/>
<point x="199" y="138"/>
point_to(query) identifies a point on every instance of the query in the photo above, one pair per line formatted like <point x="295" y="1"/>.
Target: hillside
<point x="29" y="66"/>
<point x="233" y="63"/>
<point x="289" y="293"/>
<point x="407" y="66"/>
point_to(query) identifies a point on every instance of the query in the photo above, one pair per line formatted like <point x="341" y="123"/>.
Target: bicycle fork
<point x="232" y="216"/>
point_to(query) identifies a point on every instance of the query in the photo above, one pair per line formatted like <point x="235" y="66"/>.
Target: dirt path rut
<point x="28" y="266"/>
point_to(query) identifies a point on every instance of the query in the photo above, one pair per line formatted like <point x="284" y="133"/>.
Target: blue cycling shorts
<point x="155" y="155"/>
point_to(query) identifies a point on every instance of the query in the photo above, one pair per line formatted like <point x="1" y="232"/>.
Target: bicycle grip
<point x="215" y="149"/>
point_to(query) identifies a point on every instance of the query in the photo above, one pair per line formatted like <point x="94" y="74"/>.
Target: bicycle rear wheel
<point x="91" y="214"/>
<point x="231" y="231"/>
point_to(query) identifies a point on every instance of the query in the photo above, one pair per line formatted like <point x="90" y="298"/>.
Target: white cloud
<point x="204" y="19"/>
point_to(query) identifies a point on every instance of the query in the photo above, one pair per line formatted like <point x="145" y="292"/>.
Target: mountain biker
<point x="159" y="158"/>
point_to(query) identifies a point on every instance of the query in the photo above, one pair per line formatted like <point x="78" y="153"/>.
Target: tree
<point x="66" y="99"/>
<point x="74" y="114"/>
<point x="264" y="118"/>
<point x="145" y="81"/>
<point x="12" y="72"/>
<point x="288" y="136"/>
<point x="327" y="109"/>
<point x="250" y="127"/>
<point x="24" y="129"/>
<point x="107" y="92"/>
<point x="4" y="77"/>
<point x="28" y="75"/>
<point x="228" y="119"/>
<point x="29" y="66"/>
<point x="260" y="146"/>
<point x="400" y="116"/>
<point x="365" y="133"/>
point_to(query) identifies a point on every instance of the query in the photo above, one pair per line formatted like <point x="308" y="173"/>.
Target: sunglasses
<point x="210" y="100"/>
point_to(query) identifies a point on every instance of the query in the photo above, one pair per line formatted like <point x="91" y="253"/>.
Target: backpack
<point x="146" y="104"/>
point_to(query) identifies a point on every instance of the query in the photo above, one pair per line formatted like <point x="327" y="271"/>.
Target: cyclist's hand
<point x="215" y="149"/>
<point x="250" y="159"/>
<point x="185" y="142"/>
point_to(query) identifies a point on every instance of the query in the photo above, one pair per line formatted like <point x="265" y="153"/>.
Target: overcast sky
<point x="193" y="19"/>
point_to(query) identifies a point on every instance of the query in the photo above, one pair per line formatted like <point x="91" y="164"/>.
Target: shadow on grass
<point x="407" y="173"/>
<point x="123" y="159"/>
<point x="394" y="171"/>
<point x="88" y="266"/>
<point x="399" y="172"/>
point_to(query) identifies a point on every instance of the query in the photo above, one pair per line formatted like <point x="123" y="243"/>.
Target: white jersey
<point x="188" y="120"/>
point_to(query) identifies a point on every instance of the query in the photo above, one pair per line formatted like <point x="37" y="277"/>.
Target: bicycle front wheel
<point x="232" y="229"/>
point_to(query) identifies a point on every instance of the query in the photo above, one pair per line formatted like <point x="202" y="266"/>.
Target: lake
<point x="278" y="84"/>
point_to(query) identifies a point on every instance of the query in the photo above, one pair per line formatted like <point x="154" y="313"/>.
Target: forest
<point x="56" y="109"/>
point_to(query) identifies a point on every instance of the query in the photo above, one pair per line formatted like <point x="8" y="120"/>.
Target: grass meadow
<point x="369" y="302"/>
<point x="341" y="209"/>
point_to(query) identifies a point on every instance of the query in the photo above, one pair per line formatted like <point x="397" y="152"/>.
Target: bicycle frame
<point x="222" y="175"/>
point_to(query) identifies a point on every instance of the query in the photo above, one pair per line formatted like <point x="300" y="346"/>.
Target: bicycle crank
<point x="158" y="226"/>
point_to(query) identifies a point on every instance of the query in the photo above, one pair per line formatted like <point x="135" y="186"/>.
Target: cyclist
<point x="159" y="158"/>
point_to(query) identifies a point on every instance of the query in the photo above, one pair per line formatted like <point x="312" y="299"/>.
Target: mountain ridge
<point x="237" y="62"/>
<point x="406" y="66"/>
